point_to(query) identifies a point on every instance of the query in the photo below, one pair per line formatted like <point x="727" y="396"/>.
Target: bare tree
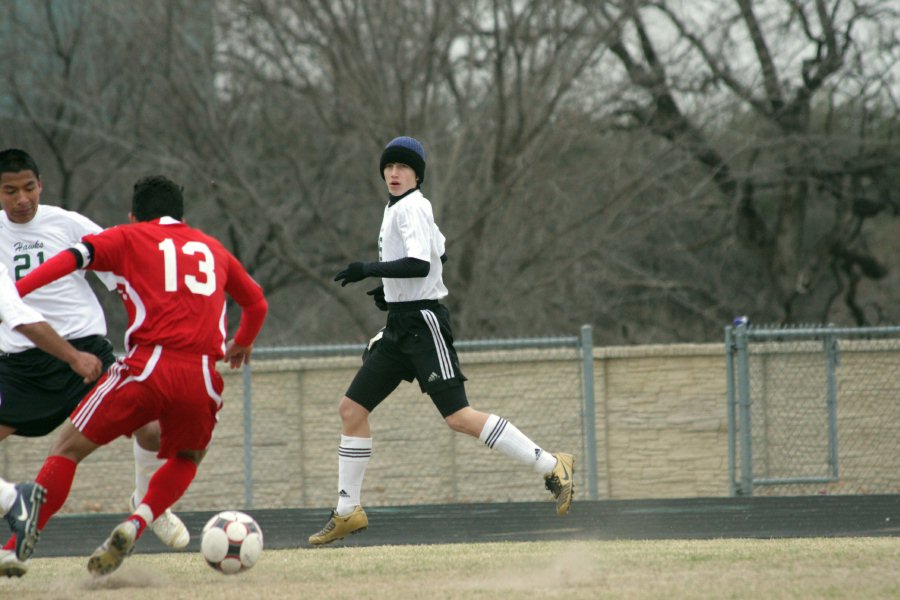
<point x="799" y="189"/>
<point x="77" y="91"/>
<point x="651" y="167"/>
<point x="483" y="83"/>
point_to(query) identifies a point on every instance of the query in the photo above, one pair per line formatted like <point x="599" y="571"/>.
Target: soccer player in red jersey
<point x="173" y="280"/>
<point x="38" y="391"/>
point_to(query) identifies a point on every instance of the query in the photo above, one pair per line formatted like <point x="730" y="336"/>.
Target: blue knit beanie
<point x="405" y="150"/>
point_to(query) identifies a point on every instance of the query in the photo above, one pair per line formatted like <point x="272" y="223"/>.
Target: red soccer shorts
<point x="182" y="391"/>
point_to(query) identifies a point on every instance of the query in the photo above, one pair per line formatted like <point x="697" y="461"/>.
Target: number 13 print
<point x="204" y="283"/>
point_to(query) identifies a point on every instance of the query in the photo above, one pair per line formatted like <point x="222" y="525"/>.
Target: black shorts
<point x="38" y="391"/>
<point x="417" y="344"/>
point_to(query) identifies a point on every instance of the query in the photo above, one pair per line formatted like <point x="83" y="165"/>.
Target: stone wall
<point x="661" y="421"/>
<point x="660" y="424"/>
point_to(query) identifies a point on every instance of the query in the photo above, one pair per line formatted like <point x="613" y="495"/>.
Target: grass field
<point x="784" y="568"/>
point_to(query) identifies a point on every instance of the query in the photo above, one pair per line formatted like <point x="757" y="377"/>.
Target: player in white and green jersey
<point x="20" y="503"/>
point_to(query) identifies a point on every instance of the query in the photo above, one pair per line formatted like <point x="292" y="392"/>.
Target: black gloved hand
<point x="378" y="297"/>
<point x="355" y="271"/>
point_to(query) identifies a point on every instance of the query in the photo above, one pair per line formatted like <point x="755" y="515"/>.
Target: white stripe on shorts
<point x="114" y="379"/>
<point x="440" y="345"/>
<point x="83" y="415"/>
<point x="207" y="381"/>
<point x="151" y="364"/>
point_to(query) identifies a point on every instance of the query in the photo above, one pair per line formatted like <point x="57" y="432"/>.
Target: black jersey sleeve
<point x="402" y="268"/>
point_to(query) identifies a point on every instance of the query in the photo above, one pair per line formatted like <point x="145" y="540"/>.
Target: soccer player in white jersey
<point x="416" y="343"/>
<point x="39" y="392"/>
<point x="20" y="503"/>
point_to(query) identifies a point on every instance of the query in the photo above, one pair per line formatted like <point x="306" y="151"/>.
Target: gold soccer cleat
<point x="339" y="527"/>
<point x="561" y="482"/>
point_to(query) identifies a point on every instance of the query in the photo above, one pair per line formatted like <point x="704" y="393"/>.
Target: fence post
<point x="589" y="415"/>
<point x="731" y="404"/>
<point x="743" y="384"/>
<point x="831" y="363"/>
<point x="248" y="437"/>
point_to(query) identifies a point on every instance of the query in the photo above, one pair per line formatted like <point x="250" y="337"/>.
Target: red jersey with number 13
<point x="173" y="280"/>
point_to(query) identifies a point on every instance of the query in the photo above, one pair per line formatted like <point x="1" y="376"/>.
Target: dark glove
<point x="355" y="271"/>
<point x="378" y="297"/>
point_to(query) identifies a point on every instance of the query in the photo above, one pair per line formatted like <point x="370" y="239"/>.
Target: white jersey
<point x="408" y="230"/>
<point x="13" y="311"/>
<point x="68" y="304"/>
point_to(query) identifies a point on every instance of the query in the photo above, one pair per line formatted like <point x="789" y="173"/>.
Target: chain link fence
<point x="810" y="411"/>
<point x="813" y="410"/>
<point x="276" y="442"/>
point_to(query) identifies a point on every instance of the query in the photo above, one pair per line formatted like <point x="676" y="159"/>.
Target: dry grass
<point x="771" y="569"/>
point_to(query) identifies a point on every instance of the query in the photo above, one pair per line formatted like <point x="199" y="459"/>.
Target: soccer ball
<point x="231" y="542"/>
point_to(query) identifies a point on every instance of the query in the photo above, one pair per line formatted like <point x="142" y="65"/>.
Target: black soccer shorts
<point x="417" y="344"/>
<point x="38" y="391"/>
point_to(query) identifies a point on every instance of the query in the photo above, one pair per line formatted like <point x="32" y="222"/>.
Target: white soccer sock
<point x="7" y="495"/>
<point x="144" y="512"/>
<point x="353" y="457"/>
<point x="503" y="436"/>
<point x="145" y="465"/>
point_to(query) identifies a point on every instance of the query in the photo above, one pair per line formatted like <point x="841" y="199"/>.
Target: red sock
<point x="56" y="475"/>
<point x="168" y="484"/>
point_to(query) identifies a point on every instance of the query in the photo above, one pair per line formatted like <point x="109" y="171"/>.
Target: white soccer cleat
<point x="10" y="565"/>
<point x="117" y="547"/>
<point x="170" y="530"/>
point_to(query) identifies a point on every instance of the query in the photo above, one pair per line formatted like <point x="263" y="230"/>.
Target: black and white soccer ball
<point x="231" y="542"/>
